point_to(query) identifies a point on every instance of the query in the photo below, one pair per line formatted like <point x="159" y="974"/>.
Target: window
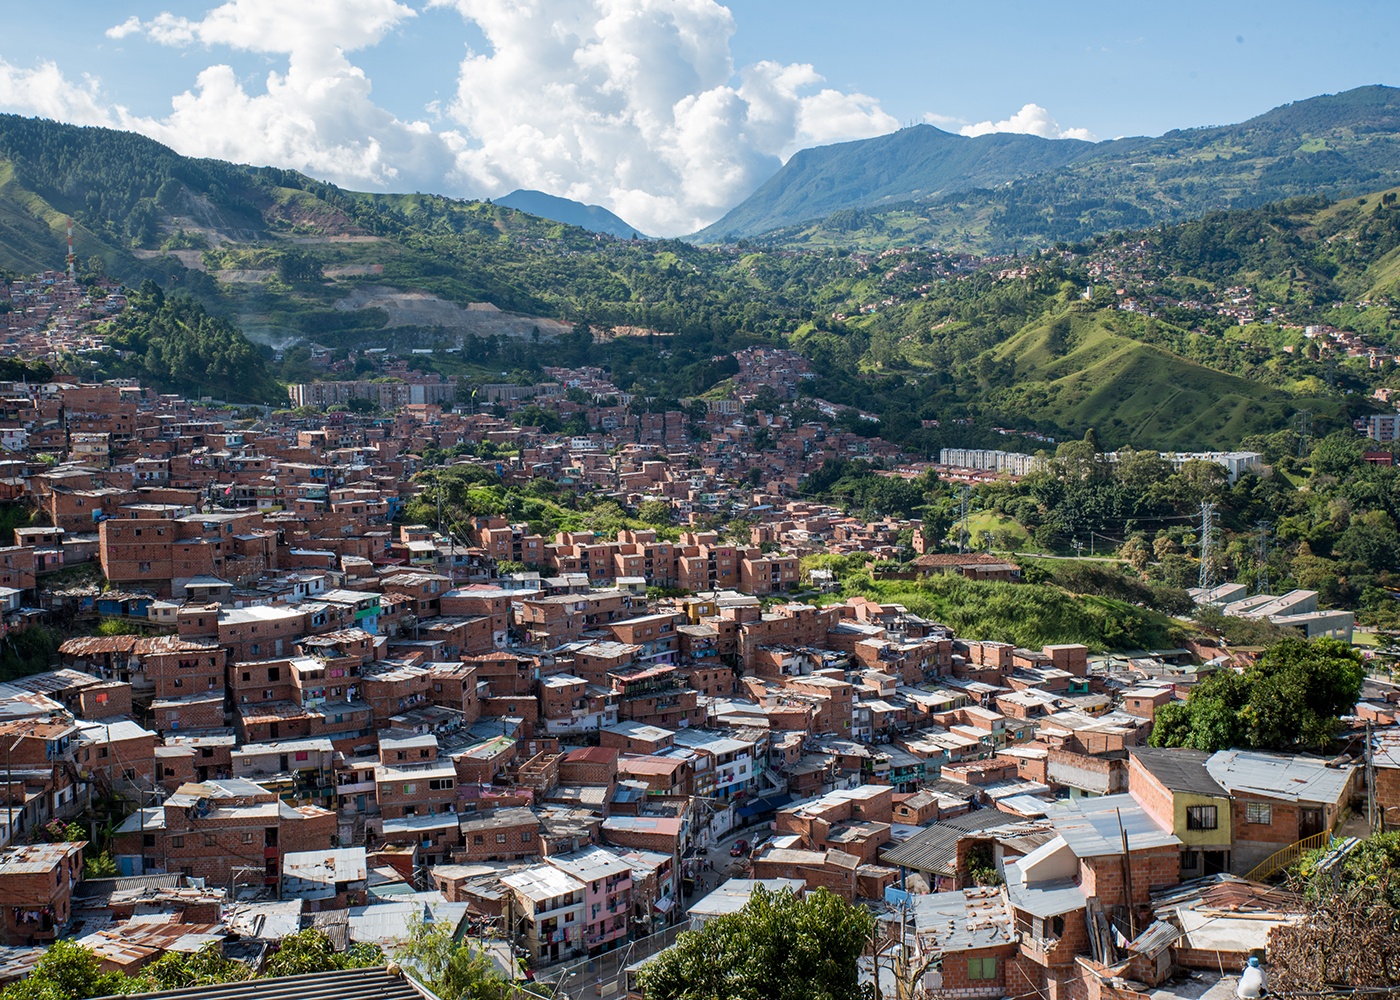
<point x="478" y="839"/>
<point x="148" y="840"/>
<point x="274" y="673"/>
<point x="247" y="836"/>
<point x="177" y="841"/>
<point x="526" y="835"/>
<point x="982" y="968"/>
<point x="1190" y="860"/>
<point x="1200" y="817"/>
<point x="1259" y="812"/>
<point x="303" y="754"/>
<point x="254" y="649"/>
<point x="211" y="840"/>
<point x="409" y="789"/>
<point x="500" y="838"/>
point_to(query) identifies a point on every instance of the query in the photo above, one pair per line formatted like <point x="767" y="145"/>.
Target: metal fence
<point x="602" y="976"/>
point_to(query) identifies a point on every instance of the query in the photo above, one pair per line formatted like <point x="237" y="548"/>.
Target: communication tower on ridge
<point x="72" y="257"/>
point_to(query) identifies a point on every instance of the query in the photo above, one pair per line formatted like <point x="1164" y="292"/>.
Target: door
<point x="1309" y="823"/>
<point x="1215" y="862"/>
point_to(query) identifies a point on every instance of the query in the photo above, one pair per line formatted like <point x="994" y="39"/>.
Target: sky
<point x="667" y="112"/>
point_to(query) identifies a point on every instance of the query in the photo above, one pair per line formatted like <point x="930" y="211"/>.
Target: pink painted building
<point x="607" y="896"/>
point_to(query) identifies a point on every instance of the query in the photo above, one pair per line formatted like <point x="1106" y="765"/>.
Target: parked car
<point x="740" y="846"/>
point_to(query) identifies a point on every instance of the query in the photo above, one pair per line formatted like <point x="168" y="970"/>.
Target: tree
<point x="1290" y="699"/>
<point x="1349" y="936"/>
<point x="295" y="266"/>
<point x="776" y="948"/>
<point x="68" y="972"/>
<point x="312" y="951"/>
<point x="1137" y="552"/>
<point x="178" y="970"/>
<point x="452" y="969"/>
<point x="1336" y="454"/>
<point x="656" y="512"/>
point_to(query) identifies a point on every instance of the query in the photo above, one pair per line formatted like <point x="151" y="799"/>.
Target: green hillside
<point x="1077" y="370"/>
<point x="1006" y="200"/>
<point x="942" y="349"/>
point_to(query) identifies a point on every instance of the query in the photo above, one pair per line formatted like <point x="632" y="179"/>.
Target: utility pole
<point x="962" y="518"/>
<point x="1370" y="782"/>
<point x="1206" y="580"/>
<point x="1261" y="554"/>
<point x="875" y="956"/>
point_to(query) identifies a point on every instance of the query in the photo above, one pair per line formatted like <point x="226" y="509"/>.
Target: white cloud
<point x="44" y="91"/>
<point x="636" y="104"/>
<point x="318" y="116"/>
<point x="276" y="26"/>
<point x="633" y="104"/>
<point x="946" y="122"/>
<point x="1033" y="120"/>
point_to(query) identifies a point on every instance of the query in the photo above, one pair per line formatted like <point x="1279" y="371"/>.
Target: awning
<point x="664" y="905"/>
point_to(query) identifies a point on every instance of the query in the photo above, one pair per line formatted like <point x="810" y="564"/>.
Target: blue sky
<point x="666" y="111"/>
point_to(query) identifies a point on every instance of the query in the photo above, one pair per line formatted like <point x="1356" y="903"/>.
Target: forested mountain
<point x="919" y="163"/>
<point x="1176" y="336"/>
<point x="594" y="218"/>
<point x="922" y="186"/>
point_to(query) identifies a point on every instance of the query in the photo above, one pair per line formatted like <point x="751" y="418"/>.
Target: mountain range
<point x="942" y="349"/>
<point x="1000" y="192"/>
<point x="593" y="218"/>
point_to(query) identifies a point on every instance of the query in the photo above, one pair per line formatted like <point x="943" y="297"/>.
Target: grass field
<point x="984" y="522"/>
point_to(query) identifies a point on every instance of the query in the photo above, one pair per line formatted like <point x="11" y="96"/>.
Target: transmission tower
<point x="1304" y="431"/>
<point x="1207" y="577"/>
<point x="1261" y="555"/>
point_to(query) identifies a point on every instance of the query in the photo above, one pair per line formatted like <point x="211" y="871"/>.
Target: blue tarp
<point x="765" y="805"/>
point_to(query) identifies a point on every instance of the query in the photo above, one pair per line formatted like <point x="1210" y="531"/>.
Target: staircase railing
<point x="1283" y="858"/>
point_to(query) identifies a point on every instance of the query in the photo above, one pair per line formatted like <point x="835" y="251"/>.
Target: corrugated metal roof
<point x="1092" y="828"/>
<point x="351" y="984"/>
<point x="1288" y="777"/>
<point x="1179" y="770"/>
<point x="934" y="849"/>
<point x="964" y="920"/>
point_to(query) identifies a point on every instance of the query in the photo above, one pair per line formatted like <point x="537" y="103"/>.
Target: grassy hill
<point x="1015" y="196"/>
<point x="1075" y="371"/>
